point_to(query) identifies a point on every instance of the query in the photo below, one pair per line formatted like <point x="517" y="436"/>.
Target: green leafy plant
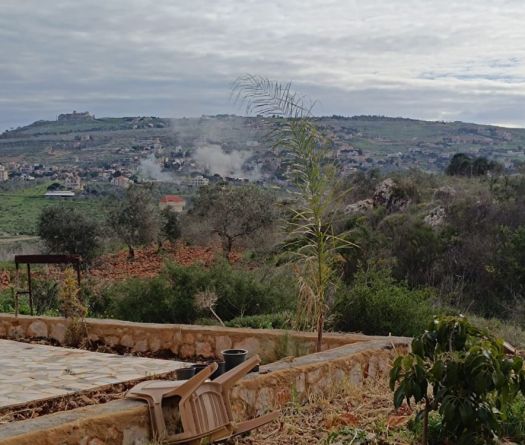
<point x="313" y="243"/>
<point x="461" y="372"/>
<point x="376" y="304"/>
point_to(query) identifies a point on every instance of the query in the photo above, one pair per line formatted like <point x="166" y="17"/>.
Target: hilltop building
<point x="174" y="202"/>
<point x="83" y="116"/>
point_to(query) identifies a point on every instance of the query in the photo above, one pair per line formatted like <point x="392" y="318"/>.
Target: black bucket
<point x="233" y="357"/>
<point x="185" y="373"/>
<point x="198" y="367"/>
<point x="219" y="371"/>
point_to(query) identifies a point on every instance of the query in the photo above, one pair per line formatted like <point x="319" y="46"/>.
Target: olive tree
<point x="237" y="215"/>
<point x="135" y="218"/>
<point x="67" y="230"/>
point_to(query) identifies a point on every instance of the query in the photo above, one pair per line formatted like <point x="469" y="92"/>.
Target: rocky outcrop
<point x="388" y="194"/>
<point x="436" y="217"/>
<point x="362" y="206"/>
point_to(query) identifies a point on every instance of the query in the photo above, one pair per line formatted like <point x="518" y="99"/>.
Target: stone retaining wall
<point x="184" y="341"/>
<point x="126" y="422"/>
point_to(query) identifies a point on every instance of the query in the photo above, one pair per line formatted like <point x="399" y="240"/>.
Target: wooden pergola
<point x="74" y="260"/>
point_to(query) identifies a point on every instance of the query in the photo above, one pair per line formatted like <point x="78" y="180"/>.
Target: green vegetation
<point x="135" y="218"/>
<point x="20" y="208"/>
<point x="238" y="216"/>
<point x="376" y="304"/>
<point x="462" y="373"/>
<point x="312" y="243"/>
<point x="170" y="298"/>
<point x="464" y="165"/>
<point x="67" y="230"/>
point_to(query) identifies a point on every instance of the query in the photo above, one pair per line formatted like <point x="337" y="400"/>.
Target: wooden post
<point x="17" y="286"/>
<point x="29" y="287"/>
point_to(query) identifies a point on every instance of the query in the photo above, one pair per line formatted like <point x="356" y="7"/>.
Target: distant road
<point x="14" y="239"/>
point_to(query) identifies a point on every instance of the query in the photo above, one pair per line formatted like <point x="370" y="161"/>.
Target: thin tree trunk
<point x="217" y="317"/>
<point x="425" y="423"/>
<point x="131" y="252"/>
<point x="320" y="324"/>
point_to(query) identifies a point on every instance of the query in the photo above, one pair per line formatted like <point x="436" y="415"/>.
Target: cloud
<point x="427" y="59"/>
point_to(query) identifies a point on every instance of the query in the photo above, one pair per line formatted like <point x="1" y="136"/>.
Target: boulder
<point x="389" y="195"/>
<point x="362" y="206"/>
<point x="436" y="217"/>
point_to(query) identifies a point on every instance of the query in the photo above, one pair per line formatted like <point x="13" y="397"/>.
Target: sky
<point x="427" y="59"/>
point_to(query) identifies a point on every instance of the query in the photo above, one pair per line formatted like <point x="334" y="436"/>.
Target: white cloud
<point x="420" y="58"/>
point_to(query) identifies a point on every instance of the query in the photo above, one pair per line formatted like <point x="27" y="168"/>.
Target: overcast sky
<point x="428" y="59"/>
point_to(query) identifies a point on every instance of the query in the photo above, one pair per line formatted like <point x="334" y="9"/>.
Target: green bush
<point x="513" y="419"/>
<point x="279" y="320"/>
<point x="169" y="298"/>
<point x="376" y="304"/>
<point x="150" y="301"/>
<point x="45" y="293"/>
<point x="240" y="292"/>
<point x="473" y="382"/>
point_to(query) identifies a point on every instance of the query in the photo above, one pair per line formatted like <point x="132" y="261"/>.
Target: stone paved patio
<point x="31" y="372"/>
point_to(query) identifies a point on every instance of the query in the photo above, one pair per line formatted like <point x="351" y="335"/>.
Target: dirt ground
<point x="352" y="416"/>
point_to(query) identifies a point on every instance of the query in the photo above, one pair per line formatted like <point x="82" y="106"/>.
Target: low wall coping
<point x="26" y="429"/>
<point x="215" y="330"/>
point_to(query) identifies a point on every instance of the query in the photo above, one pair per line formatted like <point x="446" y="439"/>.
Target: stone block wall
<point x="126" y="422"/>
<point x="184" y="341"/>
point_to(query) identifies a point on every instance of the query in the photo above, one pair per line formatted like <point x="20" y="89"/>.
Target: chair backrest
<point x="204" y="410"/>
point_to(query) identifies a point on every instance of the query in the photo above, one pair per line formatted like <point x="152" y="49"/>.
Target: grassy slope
<point x="19" y="210"/>
<point x="379" y="135"/>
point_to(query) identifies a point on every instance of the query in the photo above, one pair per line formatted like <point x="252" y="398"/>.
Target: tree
<point x="236" y="214"/>
<point x="463" y="165"/>
<point x="314" y="246"/>
<point x="460" y="164"/>
<point x="170" y="228"/>
<point x="135" y="218"/>
<point x="461" y="372"/>
<point x="67" y="230"/>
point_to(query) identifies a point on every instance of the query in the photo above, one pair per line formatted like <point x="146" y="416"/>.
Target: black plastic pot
<point x="198" y="367"/>
<point x="219" y="371"/>
<point x="185" y="373"/>
<point x="233" y="357"/>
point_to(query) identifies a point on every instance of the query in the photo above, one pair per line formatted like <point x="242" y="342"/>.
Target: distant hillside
<point x="383" y="139"/>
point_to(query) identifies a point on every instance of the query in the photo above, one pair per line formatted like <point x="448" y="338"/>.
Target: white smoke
<point x="215" y="160"/>
<point x="149" y="169"/>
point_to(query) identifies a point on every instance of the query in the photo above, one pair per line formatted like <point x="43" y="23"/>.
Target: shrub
<point x="45" y="295"/>
<point x="170" y="298"/>
<point x="239" y="292"/>
<point x="279" y="320"/>
<point x="461" y="372"/>
<point x="376" y="304"/>
<point x="150" y="301"/>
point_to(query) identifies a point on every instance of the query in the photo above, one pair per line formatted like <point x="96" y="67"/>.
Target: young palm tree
<point x="313" y="245"/>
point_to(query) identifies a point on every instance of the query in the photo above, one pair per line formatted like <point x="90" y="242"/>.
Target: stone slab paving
<point x="31" y="372"/>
